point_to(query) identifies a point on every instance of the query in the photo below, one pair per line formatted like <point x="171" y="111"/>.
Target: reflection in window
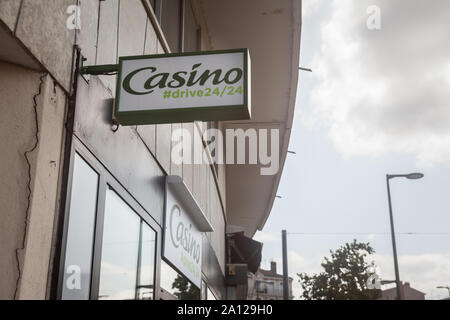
<point x="80" y="234"/>
<point x="128" y="253"/>
<point x="211" y="296"/>
<point x="176" y="286"/>
<point x="204" y="291"/>
<point x="147" y="263"/>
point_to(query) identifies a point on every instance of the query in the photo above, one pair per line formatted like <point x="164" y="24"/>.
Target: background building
<point x="408" y="293"/>
<point x="81" y="196"/>
<point x="267" y="284"/>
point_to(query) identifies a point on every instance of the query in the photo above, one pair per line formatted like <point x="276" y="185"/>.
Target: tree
<point x="345" y="275"/>
<point x="185" y="290"/>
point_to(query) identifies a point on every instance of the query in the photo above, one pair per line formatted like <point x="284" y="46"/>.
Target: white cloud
<point x="265" y="237"/>
<point x="310" y="6"/>
<point x="384" y="91"/>
<point x="300" y="264"/>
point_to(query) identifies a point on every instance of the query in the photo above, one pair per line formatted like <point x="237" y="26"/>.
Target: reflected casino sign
<point x="184" y="87"/>
<point x="182" y="240"/>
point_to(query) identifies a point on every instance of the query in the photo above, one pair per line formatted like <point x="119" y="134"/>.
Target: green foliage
<point x="185" y="290"/>
<point x="344" y="277"/>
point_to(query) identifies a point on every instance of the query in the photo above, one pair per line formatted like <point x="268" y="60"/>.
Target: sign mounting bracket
<point x="105" y="69"/>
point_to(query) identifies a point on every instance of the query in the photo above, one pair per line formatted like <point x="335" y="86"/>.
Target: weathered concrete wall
<point x="28" y="198"/>
<point x="9" y="11"/>
<point x="107" y="39"/>
<point x="109" y="29"/>
<point x="45" y="199"/>
<point x="86" y="37"/>
<point x="42" y="28"/>
<point x="17" y="87"/>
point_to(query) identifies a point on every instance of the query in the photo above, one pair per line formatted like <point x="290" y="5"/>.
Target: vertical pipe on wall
<point x="58" y="261"/>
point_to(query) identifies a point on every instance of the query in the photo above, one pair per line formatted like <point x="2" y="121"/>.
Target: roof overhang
<point x="13" y="51"/>
<point x="271" y="31"/>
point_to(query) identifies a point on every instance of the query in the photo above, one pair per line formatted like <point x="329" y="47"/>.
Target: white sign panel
<point x="182" y="239"/>
<point x="183" y="87"/>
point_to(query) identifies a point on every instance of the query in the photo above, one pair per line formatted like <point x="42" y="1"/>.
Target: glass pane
<point x="204" y="292"/>
<point x="270" y="288"/>
<point x="176" y="286"/>
<point x="211" y="295"/>
<point x="119" y="250"/>
<point x="147" y="258"/>
<point x="260" y="287"/>
<point x="80" y="234"/>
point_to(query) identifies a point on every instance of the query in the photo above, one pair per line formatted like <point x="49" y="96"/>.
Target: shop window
<point x="109" y="248"/>
<point x="128" y="253"/>
<point x="175" y="286"/>
<point x="80" y="232"/>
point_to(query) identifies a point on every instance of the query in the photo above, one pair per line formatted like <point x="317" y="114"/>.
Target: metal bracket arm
<point x="100" y="69"/>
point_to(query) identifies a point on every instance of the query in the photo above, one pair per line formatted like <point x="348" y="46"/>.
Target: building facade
<point x="408" y="293"/>
<point x="267" y="284"/>
<point x="83" y="199"/>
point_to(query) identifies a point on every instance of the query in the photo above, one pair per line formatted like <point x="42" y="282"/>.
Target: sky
<point x="376" y="103"/>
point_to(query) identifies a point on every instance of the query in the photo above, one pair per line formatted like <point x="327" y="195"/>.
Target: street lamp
<point x="413" y="176"/>
<point x="305" y="69"/>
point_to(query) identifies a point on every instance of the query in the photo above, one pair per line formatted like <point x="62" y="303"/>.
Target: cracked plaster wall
<point x="18" y="86"/>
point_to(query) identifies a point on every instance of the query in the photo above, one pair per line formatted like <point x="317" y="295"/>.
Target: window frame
<point x="208" y="289"/>
<point x="170" y="265"/>
<point x="106" y="181"/>
<point x="68" y="191"/>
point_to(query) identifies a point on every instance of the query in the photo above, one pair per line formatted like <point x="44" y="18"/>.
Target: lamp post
<point x="394" y="246"/>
